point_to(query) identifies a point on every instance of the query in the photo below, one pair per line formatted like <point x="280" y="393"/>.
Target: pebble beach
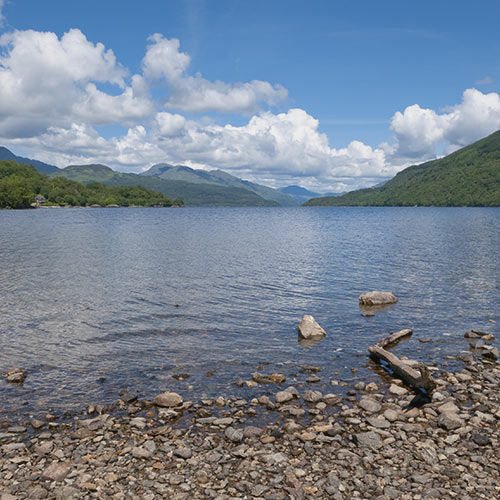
<point x="371" y="442"/>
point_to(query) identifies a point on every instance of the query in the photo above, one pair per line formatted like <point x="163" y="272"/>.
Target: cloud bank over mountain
<point x="58" y="95"/>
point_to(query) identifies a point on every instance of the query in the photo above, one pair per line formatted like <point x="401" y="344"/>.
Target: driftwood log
<point x="415" y="375"/>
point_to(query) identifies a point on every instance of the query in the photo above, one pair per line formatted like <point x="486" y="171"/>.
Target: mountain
<point x="86" y="173"/>
<point x="43" y="168"/>
<point x="218" y="178"/>
<point x="299" y="193"/>
<point x="193" y="193"/>
<point x="467" y="177"/>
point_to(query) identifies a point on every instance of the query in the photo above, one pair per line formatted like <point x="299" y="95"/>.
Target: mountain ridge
<point x="195" y="187"/>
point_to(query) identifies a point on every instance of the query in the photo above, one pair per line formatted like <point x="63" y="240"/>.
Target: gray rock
<point x="312" y="396"/>
<point x="309" y="328"/>
<point x="168" y="399"/>
<point x="450" y="421"/>
<point x="376" y="298"/>
<point x="370" y="405"/>
<point x="480" y="439"/>
<point x="283" y="397"/>
<point x="368" y="439"/>
<point x="183" y="452"/>
<point x="378" y="422"/>
<point x="234" y="435"/>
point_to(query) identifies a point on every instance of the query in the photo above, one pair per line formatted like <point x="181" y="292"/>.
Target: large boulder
<point x="376" y="298"/>
<point x="309" y="329"/>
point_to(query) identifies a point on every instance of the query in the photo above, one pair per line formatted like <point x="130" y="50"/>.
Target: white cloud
<point x="270" y="148"/>
<point x="419" y="131"/>
<point x="170" y="125"/>
<point x="163" y="60"/>
<point x="46" y="81"/>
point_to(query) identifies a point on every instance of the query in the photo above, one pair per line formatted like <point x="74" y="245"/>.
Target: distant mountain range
<point x="302" y="194"/>
<point x="195" y="187"/>
<point x="467" y="177"/>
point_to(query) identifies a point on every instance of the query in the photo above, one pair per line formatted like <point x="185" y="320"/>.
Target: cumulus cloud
<point x="46" y="81"/>
<point x="163" y="60"/>
<point x="275" y="149"/>
<point x="419" y="131"/>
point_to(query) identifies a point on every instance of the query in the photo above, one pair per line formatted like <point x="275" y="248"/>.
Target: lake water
<point x="96" y="300"/>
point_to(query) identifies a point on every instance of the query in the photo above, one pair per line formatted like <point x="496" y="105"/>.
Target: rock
<point x="168" y="399"/>
<point x="56" y="471"/>
<point x="145" y="451"/>
<point x="480" y="439"/>
<point x="37" y="424"/>
<point x="378" y="422"/>
<point x="16" y="375"/>
<point x="477" y="334"/>
<point x="309" y="328"/>
<point x="376" y="298"/>
<point x="448" y="407"/>
<point x="283" y="397"/>
<point x="251" y="431"/>
<point x="332" y="399"/>
<point x="310" y="369"/>
<point x="391" y="415"/>
<point x="293" y="391"/>
<point x="450" y="421"/>
<point x="490" y="352"/>
<point x="371" y="387"/>
<point x="183" y="452"/>
<point x="397" y="390"/>
<point x="368" y="314"/>
<point x="370" y="405"/>
<point x="234" y="435"/>
<point x="368" y="439"/>
<point x="312" y="396"/>
<point x="274" y="378"/>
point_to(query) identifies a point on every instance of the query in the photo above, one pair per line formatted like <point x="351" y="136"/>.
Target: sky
<point x="332" y="95"/>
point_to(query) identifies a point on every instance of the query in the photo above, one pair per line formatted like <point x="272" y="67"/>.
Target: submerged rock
<point x="309" y="328"/>
<point x="16" y="375"/>
<point x="274" y="378"/>
<point x="376" y="298"/>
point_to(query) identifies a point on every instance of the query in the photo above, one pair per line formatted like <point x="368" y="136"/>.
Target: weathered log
<point x="394" y="338"/>
<point x="418" y="378"/>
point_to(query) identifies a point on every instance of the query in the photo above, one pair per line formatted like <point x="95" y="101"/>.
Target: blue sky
<point x="331" y="95"/>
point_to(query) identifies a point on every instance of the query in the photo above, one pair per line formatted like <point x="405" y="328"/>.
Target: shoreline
<point x="369" y="444"/>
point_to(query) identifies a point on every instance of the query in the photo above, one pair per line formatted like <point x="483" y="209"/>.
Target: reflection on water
<point x="92" y="301"/>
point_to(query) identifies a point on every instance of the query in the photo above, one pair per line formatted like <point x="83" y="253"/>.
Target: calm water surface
<point x="96" y="300"/>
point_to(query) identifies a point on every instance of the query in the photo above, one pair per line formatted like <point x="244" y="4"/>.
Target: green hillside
<point x="468" y="177"/>
<point x="21" y="184"/>
<point x="198" y="194"/>
<point x="195" y="195"/>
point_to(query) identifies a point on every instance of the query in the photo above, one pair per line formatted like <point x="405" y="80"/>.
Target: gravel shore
<point x="370" y="444"/>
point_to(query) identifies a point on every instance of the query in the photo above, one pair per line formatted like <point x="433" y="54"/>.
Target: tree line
<point x="21" y="184"/>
